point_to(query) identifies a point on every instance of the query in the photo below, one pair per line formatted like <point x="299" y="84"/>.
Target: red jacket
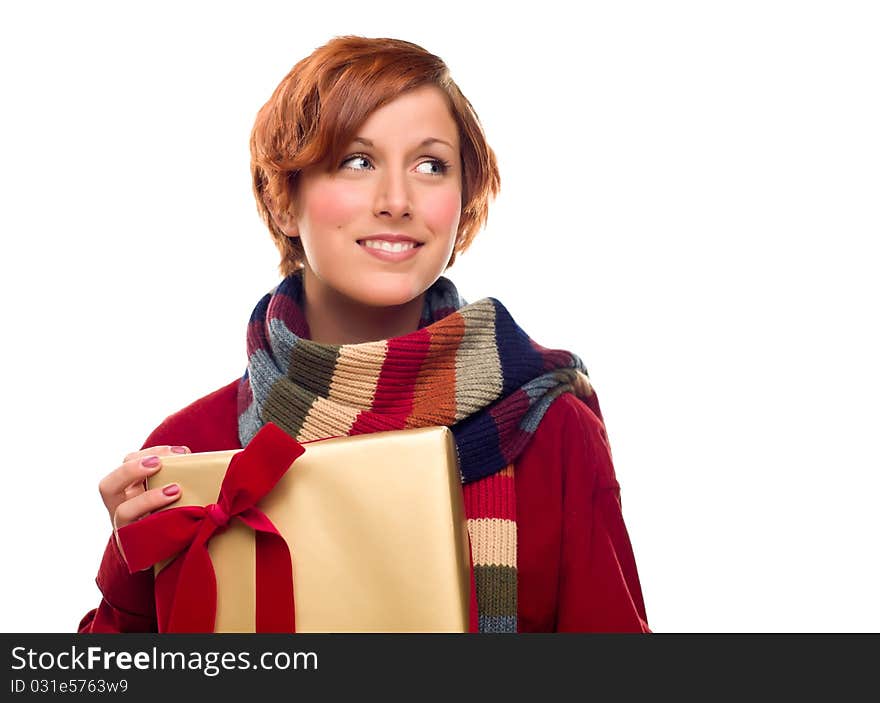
<point x="575" y="565"/>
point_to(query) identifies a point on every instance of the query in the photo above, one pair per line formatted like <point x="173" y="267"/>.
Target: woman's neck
<point x="334" y="318"/>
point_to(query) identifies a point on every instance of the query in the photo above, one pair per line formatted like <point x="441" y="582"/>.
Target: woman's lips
<point x="387" y="253"/>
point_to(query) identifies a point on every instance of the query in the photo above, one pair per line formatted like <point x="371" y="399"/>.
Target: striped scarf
<point x="468" y="367"/>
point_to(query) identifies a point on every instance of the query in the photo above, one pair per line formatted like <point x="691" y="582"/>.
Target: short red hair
<point x="317" y="109"/>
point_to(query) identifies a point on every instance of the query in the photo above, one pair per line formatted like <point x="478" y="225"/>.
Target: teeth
<point x="388" y="246"/>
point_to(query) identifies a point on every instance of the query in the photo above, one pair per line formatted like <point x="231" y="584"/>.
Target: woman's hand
<point x="123" y="490"/>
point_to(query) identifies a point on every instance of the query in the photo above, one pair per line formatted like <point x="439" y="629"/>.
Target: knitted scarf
<point x="468" y="367"/>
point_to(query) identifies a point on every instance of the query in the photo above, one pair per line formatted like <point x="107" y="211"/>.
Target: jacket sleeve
<point x="598" y="587"/>
<point x="127" y="603"/>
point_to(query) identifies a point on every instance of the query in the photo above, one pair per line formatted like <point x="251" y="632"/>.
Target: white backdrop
<point x="689" y="202"/>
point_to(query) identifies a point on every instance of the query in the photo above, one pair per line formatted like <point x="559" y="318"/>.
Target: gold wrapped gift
<point x="376" y="529"/>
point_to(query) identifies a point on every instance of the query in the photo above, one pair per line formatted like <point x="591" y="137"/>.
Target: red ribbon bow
<point x="187" y="587"/>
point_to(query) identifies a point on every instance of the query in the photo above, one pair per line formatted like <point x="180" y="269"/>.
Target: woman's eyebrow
<point x="425" y="142"/>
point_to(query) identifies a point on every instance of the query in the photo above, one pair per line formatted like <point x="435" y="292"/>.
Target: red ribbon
<point x="186" y="589"/>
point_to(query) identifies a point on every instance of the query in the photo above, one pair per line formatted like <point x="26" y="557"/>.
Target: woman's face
<point x="380" y="226"/>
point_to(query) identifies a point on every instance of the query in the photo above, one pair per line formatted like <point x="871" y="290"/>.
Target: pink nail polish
<point x="171" y="490"/>
<point x="151" y="462"/>
<point x="178" y="450"/>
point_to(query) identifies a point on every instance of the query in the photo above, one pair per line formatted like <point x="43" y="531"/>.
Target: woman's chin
<point x="385" y="291"/>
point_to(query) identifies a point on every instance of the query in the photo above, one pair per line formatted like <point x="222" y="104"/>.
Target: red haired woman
<point x="371" y="171"/>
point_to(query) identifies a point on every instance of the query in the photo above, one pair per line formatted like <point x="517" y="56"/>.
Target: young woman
<point x="371" y="171"/>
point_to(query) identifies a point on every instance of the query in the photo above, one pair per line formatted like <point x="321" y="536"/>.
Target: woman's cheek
<point x="333" y="207"/>
<point x="444" y="212"/>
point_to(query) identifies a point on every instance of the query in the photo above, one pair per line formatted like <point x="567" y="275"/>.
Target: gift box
<point x="375" y="528"/>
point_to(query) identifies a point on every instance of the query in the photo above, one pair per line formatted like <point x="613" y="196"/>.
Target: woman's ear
<point x="287" y="223"/>
<point x="283" y="219"/>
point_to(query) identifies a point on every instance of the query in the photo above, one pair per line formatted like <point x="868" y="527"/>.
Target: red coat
<point x="575" y="565"/>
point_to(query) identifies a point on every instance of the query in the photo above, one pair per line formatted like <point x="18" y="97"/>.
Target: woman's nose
<point x="393" y="196"/>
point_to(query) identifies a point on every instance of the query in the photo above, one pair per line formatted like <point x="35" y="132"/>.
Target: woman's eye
<point x="435" y="167"/>
<point x="358" y="162"/>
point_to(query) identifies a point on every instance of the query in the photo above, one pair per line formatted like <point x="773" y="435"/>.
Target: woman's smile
<point x="391" y="247"/>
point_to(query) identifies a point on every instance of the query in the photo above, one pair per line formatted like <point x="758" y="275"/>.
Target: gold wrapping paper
<point x="376" y="529"/>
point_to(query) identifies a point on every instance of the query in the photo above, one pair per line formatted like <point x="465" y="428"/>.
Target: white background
<point x="689" y="202"/>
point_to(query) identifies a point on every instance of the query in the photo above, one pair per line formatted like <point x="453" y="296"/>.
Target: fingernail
<point x="151" y="462"/>
<point x="171" y="489"/>
<point x="179" y="450"/>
